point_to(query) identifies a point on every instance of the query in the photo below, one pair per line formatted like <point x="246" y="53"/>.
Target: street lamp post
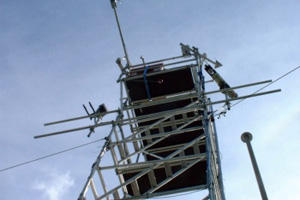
<point x="247" y="137"/>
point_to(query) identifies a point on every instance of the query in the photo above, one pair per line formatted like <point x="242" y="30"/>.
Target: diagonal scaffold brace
<point x="104" y="149"/>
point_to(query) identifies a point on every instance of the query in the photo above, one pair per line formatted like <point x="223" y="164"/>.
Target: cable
<point x="268" y="85"/>
<point x="47" y="156"/>
<point x="259" y="90"/>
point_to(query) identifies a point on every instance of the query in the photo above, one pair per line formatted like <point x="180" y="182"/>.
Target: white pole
<point x="247" y="137"/>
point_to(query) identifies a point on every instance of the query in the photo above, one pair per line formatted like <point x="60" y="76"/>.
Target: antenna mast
<point x="114" y="6"/>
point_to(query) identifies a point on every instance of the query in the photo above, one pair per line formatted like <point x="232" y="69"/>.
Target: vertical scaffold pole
<point x="201" y="90"/>
<point x="220" y="179"/>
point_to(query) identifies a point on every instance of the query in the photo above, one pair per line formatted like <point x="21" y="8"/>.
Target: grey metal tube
<point x="157" y="61"/>
<point x="247" y="137"/>
<point x="98" y="160"/>
<point x="120" y="31"/>
<point x="218" y="158"/>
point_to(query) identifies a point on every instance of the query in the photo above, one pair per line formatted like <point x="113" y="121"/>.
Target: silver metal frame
<point x="126" y="140"/>
<point x="128" y="152"/>
<point x="123" y="159"/>
<point x="123" y="156"/>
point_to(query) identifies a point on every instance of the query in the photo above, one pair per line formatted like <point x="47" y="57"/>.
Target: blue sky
<point x="57" y="55"/>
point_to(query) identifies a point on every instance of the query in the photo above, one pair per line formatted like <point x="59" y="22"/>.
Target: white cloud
<point x="55" y="185"/>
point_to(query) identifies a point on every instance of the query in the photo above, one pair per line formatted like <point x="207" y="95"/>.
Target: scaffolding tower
<point x="163" y="140"/>
<point x="172" y="144"/>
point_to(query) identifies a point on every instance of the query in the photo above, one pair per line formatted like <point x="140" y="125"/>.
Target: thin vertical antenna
<point x="114" y="6"/>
